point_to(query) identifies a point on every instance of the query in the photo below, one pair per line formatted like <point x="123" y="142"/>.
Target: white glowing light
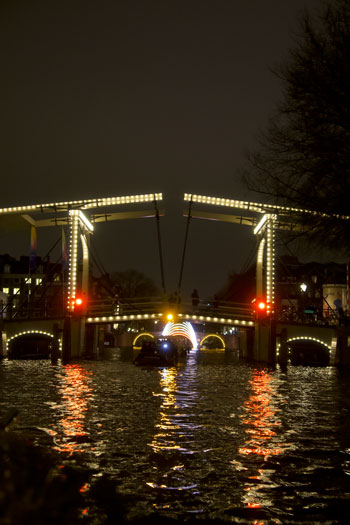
<point x="84" y="204"/>
<point x="85" y="221"/>
<point x="184" y="329"/>
<point x="256" y="206"/>
<point x="73" y="258"/>
<point x="130" y="317"/>
<point x="260" y="224"/>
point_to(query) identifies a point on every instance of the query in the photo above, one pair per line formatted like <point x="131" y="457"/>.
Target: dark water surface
<point x="213" y="438"/>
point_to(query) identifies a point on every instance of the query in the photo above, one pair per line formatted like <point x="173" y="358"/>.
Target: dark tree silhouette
<point x="303" y="156"/>
<point x="132" y="283"/>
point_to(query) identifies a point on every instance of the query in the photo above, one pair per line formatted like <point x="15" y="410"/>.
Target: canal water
<point x="213" y="438"/>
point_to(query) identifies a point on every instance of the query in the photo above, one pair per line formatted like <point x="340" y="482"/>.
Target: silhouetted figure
<point x="177" y="297"/>
<point x="195" y="298"/>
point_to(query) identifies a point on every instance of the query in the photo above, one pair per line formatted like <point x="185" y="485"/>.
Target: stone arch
<point x="213" y="335"/>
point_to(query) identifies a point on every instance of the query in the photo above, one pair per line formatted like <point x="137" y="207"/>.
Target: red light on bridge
<point x="262" y="306"/>
<point x="78" y="305"/>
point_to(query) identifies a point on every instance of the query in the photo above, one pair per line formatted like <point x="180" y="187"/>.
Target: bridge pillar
<point x="125" y="340"/>
<point x="246" y="343"/>
<point x="283" y="353"/>
<point x="91" y="340"/>
<point x="265" y="342"/>
<point x="73" y="337"/>
<point x="343" y="350"/>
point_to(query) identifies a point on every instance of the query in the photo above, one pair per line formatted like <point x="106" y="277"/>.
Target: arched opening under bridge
<point x="144" y="336"/>
<point x="212" y="342"/>
<point x="33" y="344"/>
<point x="308" y="351"/>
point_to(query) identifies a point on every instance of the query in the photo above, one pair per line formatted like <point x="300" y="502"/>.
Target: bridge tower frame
<point x="73" y="213"/>
<point x="264" y="224"/>
<point x="272" y="217"/>
<point x="265" y="287"/>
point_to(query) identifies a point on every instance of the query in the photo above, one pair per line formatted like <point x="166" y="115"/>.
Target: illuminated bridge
<point x="225" y="323"/>
<point x="233" y="325"/>
<point x="75" y="329"/>
<point x="228" y="313"/>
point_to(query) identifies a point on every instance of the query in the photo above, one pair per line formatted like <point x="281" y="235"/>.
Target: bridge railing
<point x="12" y="312"/>
<point x="124" y="306"/>
<point x="147" y="305"/>
<point x="327" y="316"/>
<point x="222" y="309"/>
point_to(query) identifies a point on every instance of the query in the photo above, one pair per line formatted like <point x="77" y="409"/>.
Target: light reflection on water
<point x="76" y="394"/>
<point x="174" y="432"/>
<point x="165" y="438"/>
<point x="261" y="418"/>
<point x="211" y="437"/>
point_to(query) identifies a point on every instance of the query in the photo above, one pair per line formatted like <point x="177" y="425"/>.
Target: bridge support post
<point x="73" y="337"/>
<point x="125" y="340"/>
<point x="343" y="349"/>
<point x="283" y="352"/>
<point x="246" y="344"/>
<point x="265" y="342"/>
<point x="91" y="340"/>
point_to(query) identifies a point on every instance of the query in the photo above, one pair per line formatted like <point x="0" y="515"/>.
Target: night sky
<point x="106" y="98"/>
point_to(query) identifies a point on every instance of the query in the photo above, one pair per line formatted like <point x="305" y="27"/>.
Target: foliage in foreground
<point x="303" y="157"/>
<point x="33" y="487"/>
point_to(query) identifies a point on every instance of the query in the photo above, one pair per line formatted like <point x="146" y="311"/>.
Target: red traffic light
<point x="78" y="305"/>
<point x="261" y="308"/>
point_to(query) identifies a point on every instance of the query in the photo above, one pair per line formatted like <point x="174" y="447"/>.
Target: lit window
<point x="6" y="290"/>
<point x="15" y="291"/>
<point x="38" y="281"/>
<point x="28" y="280"/>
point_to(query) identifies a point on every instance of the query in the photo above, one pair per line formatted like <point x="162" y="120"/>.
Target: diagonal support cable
<point x="160" y="245"/>
<point x="185" y="245"/>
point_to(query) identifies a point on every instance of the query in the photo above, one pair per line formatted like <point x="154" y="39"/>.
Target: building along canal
<point x="213" y="438"/>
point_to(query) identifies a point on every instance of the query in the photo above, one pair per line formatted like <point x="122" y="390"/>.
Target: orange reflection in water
<point x="260" y="417"/>
<point x="163" y="438"/>
<point x="76" y="393"/>
<point x="261" y="423"/>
